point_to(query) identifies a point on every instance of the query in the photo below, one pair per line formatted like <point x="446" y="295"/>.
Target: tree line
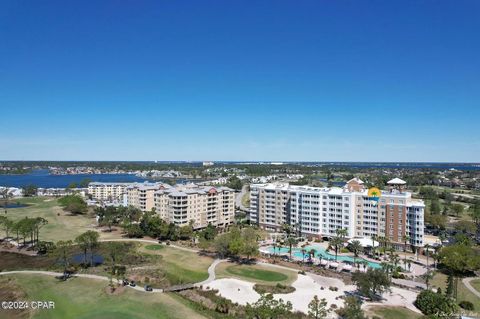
<point x="26" y="229"/>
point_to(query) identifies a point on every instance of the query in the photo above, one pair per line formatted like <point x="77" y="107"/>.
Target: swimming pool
<point x="320" y="251"/>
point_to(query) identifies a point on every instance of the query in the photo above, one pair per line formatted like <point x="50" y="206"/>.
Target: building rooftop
<point x="396" y="181"/>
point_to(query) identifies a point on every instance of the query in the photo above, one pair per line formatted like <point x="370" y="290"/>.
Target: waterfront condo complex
<point x="201" y="204"/>
<point x="318" y="212"/>
<point x="179" y="204"/>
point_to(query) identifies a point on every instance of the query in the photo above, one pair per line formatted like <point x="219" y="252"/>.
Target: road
<point x="238" y="199"/>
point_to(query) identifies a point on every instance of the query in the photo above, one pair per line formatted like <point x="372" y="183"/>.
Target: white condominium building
<point x="319" y="212"/>
<point x="200" y="204"/>
<point x="107" y="191"/>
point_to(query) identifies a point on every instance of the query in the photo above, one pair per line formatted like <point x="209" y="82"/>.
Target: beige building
<point x="200" y="204"/>
<point x="111" y="192"/>
<point x="142" y="195"/>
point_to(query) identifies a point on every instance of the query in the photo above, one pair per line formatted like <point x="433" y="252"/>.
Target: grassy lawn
<point x="256" y="273"/>
<point x="440" y="280"/>
<point x="180" y="266"/>
<point x="476" y="284"/>
<point x="393" y="313"/>
<point x="154" y="247"/>
<point x="61" y="225"/>
<point x="85" y="298"/>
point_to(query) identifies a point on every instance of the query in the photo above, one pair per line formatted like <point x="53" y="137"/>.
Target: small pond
<point x="12" y="205"/>
<point x="79" y="258"/>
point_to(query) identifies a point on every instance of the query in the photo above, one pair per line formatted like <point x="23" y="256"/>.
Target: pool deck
<point x="323" y="247"/>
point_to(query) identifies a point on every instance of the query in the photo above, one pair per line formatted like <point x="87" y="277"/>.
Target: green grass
<point x="154" y="247"/>
<point x="85" y="298"/>
<point x="476" y="284"/>
<point x="180" y="266"/>
<point x="256" y="273"/>
<point x="61" y="225"/>
<point x="440" y="280"/>
<point x="393" y="313"/>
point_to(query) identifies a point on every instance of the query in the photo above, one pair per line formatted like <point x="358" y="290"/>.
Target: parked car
<point x="125" y="282"/>
<point x="148" y="288"/>
<point x="132" y="283"/>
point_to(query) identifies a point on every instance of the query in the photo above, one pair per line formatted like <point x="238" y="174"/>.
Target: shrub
<point x="333" y="288"/>
<point x="467" y="305"/>
<point x="398" y="275"/>
<point x="431" y="303"/>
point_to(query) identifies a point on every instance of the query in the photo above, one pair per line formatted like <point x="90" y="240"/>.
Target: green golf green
<point x="154" y="247"/>
<point x="255" y="273"/>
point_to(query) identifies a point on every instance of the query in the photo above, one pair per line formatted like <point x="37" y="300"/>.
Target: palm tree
<point x="427" y="246"/>
<point x="341" y="232"/>
<point x="336" y="242"/>
<point x="312" y="253"/>
<point x="356" y="248"/>
<point x="304" y="251"/>
<point x="428" y="276"/>
<point x="374" y="237"/>
<point x="394" y="259"/>
<point x="436" y="255"/>
<point x="291" y="241"/>
<point x="274" y="250"/>
<point x="386" y="242"/>
<point x="364" y="264"/>
<point x="406" y="239"/>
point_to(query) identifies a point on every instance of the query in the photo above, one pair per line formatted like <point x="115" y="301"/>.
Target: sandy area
<point x="307" y="286"/>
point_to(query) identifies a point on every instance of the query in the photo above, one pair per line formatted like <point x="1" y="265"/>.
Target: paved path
<point x="466" y="282"/>
<point x="211" y="276"/>
<point x="211" y="273"/>
<point x="239" y="197"/>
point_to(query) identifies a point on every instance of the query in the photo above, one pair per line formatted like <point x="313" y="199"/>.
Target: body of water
<point x="12" y="205"/>
<point x="42" y="178"/>
<point x="79" y="259"/>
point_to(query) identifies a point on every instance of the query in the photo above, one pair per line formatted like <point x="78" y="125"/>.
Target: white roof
<point x="396" y="180"/>
<point x="356" y="179"/>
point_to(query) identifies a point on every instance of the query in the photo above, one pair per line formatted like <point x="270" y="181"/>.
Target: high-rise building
<point x="201" y="205"/>
<point x="179" y="204"/>
<point x="319" y="212"/>
<point x="111" y="192"/>
<point x="141" y="195"/>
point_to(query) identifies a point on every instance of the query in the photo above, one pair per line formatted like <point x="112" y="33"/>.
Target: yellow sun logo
<point x="374" y="192"/>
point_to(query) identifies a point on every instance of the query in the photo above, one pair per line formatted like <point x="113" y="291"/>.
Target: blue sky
<point x="240" y="80"/>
